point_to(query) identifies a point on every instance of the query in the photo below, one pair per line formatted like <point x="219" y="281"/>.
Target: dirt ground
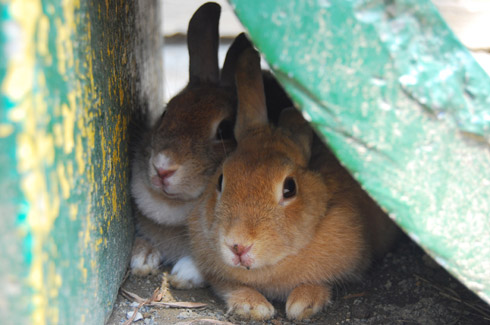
<point x="406" y="287"/>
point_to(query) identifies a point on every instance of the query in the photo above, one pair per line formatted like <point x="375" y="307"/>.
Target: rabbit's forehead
<point x="195" y="116"/>
<point x="272" y="145"/>
<point x="258" y="168"/>
<point x="202" y="101"/>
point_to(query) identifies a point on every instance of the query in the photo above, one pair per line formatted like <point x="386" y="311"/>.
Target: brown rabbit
<point x="175" y="160"/>
<point x="282" y="220"/>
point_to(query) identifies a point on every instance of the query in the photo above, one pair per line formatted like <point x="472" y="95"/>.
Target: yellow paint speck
<point x="65" y="186"/>
<point x="98" y="242"/>
<point x="68" y="127"/>
<point x="114" y="198"/>
<point x="18" y="113"/>
<point x="43" y="33"/>
<point x="6" y="130"/>
<point x="58" y="135"/>
<point x="83" y="269"/>
<point x="79" y="155"/>
<point x="121" y="95"/>
<point x="19" y="78"/>
<point x="73" y="211"/>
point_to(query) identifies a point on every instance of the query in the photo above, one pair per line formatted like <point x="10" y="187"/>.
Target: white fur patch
<point x="144" y="263"/>
<point x="161" y="161"/>
<point x="154" y="206"/>
<point x="186" y="275"/>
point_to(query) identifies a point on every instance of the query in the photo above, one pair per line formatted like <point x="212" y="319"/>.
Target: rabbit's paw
<point x="249" y="304"/>
<point x="186" y="275"/>
<point x="306" y="300"/>
<point x="144" y="259"/>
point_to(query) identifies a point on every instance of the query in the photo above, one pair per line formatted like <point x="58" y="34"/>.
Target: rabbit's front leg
<point x="247" y="303"/>
<point x="186" y="275"/>
<point x="306" y="300"/>
<point x="144" y="258"/>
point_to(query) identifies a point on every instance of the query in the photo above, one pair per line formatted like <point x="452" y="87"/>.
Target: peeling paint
<point x="71" y="155"/>
<point x="6" y="130"/>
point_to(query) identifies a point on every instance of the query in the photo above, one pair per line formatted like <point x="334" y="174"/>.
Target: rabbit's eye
<point x="289" y="188"/>
<point x="163" y="115"/>
<point x="225" y="130"/>
<point x="220" y="182"/>
<point x="161" y="118"/>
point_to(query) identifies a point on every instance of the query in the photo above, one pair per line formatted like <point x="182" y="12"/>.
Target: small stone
<point x="136" y="318"/>
<point x="388" y="285"/>
<point x="134" y="304"/>
<point x="185" y="314"/>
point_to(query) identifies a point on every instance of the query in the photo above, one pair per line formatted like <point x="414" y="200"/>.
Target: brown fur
<point x="186" y="135"/>
<point x="329" y="231"/>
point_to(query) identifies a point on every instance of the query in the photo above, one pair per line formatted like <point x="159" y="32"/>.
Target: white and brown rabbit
<point x="282" y="220"/>
<point x="175" y="160"/>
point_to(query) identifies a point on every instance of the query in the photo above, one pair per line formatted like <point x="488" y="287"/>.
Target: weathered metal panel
<point x="69" y="80"/>
<point x="404" y="106"/>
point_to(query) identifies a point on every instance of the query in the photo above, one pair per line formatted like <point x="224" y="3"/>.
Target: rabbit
<point x="281" y="218"/>
<point x="174" y="161"/>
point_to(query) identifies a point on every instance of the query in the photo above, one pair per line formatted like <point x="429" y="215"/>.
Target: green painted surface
<point x="67" y="90"/>
<point x="403" y="105"/>
<point x="15" y="252"/>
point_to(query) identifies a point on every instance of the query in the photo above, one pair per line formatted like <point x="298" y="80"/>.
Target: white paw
<point x="144" y="263"/>
<point x="186" y="275"/>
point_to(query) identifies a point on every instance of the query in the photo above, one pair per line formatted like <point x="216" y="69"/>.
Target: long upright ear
<point x="292" y="120"/>
<point x="252" y="110"/>
<point x="202" y="41"/>
<point x="240" y="43"/>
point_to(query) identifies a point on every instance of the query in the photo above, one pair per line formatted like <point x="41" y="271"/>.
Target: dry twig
<point x="153" y="302"/>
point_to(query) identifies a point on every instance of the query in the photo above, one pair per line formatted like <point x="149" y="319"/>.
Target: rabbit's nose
<point x="165" y="173"/>
<point x="239" y="250"/>
<point x="242" y="255"/>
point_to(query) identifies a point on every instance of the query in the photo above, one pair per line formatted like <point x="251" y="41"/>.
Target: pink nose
<point x="239" y="250"/>
<point x="241" y="256"/>
<point x="164" y="173"/>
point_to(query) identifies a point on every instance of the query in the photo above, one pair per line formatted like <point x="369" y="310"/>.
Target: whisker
<point x="224" y="147"/>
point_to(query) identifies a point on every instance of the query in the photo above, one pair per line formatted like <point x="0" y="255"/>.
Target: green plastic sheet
<point x="403" y="105"/>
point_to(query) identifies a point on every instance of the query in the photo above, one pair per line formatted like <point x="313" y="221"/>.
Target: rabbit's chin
<point x="164" y="188"/>
<point x="171" y="189"/>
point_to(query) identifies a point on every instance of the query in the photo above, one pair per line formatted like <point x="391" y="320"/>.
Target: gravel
<point x="406" y="287"/>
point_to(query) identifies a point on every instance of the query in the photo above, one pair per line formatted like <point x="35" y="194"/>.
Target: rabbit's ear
<point x="252" y="110"/>
<point x="202" y="41"/>
<point x="240" y="43"/>
<point x="292" y="120"/>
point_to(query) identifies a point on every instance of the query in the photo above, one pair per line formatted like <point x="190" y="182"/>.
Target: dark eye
<point x="220" y="182"/>
<point x="225" y="130"/>
<point x="289" y="188"/>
